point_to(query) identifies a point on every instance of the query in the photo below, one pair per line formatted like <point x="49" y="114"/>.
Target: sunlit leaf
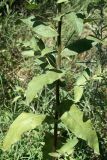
<point x="28" y="53"/>
<point x="32" y="43"/>
<point x="73" y="120"/>
<point x="79" y="86"/>
<point x="68" y="53"/>
<point x="54" y="154"/>
<point x="46" y="51"/>
<point x="61" y="1"/>
<point x="37" y="84"/>
<point x="78" y="92"/>
<point x="24" y="122"/>
<point x="16" y="99"/>
<point x="82" y="79"/>
<point x="76" y="22"/>
<point x="68" y="147"/>
<point x="45" y="31"/>
<point x="29" y="21"/>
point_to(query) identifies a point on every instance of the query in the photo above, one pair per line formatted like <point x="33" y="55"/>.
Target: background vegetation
<point x="83" y="52"/>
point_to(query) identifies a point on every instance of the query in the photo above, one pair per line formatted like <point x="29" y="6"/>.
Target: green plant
<point x="51" y="61"/>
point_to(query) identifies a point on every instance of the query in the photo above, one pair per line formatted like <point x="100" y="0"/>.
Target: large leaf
<point x="24" y="122"/>
<point x="84" y="130"/>
<point x="37" y="83"/>
<point x="45" y="31"/>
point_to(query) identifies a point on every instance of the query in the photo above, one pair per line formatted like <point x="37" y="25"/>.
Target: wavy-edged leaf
<point x="37" y="83"/>
<point x="73" y="119"/>
<point x="24" y="122"/>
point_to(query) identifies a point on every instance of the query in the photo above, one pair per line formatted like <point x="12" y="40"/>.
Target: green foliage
<point x="79" y="86"/>
<point x="37" y="84"/>
<point x="57" y="50"/>
<point x="24" y="122"/>
<point x="45" y="31"/>
<point x="61" y="1"/>
<point x="74" y="121"/>
<point x="68" y="147"/>
<point x="76" y="22"/>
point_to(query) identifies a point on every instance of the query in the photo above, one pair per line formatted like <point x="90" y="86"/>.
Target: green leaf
<point x="32" y="44"/>
<point x="24" y="122"/>
<point x="29" y="21"/>
<point x="76" y="22"/>
<point x="54" y="154"/>
<point x="47" y="50"/>
<point x="42" y="30"/>
<point x="78" y="92"/>
<point x="79" y="86"/>
<point x="31" y="6"/>
<point x="68" y="147"/>
<point x="61" y="1"/>
<point x="16" y="99"/>
<point x="68" y="53"/>
<point x="82" y="79"/>
<point x="45" y="31"/>
<point x="58" y="17"/>
<point x="29" y="53"/>
<point x="73" y="119"/>
<point x="96" y="40"/>
<point x="37" y="83"/>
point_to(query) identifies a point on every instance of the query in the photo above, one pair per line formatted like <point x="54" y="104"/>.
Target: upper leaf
<point x="24" y="122"/>
<point x="37" y="83"/>
<point x="84" y="130"/>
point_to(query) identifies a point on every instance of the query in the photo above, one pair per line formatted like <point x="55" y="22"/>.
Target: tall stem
<point x="58" y="65"/>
